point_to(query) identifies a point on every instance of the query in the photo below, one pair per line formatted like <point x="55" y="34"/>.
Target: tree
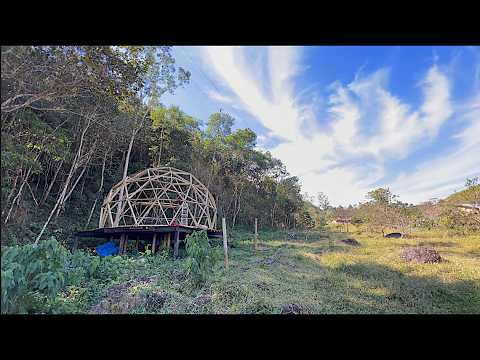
<point x="323" y="202"/>
<point x="380" y="208"/>
<point x="219" y="125"/>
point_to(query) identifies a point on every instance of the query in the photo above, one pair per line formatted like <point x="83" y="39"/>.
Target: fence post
<point x="256" y="233"/>
<point x="154" y="242"/>
<point x="225" y="246"/>
<point x="177" y="242"/>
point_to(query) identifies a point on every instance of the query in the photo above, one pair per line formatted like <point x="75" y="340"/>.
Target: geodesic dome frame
<point x="159" y="196"/>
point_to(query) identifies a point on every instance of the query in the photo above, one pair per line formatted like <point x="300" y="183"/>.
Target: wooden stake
<point x="75" y="243"/>
<point x="168" y="240"/>
<point x="256" y="233"/>
<point x="154" y="242"/>
<point x="177" y="241"/>
<point x="225" y="246"/>
<point x="120" y="246"/>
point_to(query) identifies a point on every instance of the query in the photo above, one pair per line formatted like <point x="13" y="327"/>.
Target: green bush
<point x="31" y="273"/>
<point x="201" y="257"/>
<point x="34" y="276"/>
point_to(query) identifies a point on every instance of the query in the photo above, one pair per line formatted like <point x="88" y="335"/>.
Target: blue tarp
<point x="107" y="249"/>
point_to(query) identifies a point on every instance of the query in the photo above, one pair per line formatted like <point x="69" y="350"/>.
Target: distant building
<point x="469" y="208"/>
<point x="342" y="221"/>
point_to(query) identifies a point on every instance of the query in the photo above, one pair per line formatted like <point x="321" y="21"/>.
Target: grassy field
<point x="319" y="276"/>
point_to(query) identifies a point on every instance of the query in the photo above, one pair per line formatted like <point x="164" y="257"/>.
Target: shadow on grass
<point x="404" y="293"/>
<point x="437" y="243"/>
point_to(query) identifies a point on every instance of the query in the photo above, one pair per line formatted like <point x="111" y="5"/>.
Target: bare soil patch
<point x="120" y="299"/>
<point x="421" y="254"/>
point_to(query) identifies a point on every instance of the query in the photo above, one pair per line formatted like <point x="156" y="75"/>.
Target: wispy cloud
<point x="368" y="125"/>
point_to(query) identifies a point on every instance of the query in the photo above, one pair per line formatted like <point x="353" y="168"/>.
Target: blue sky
<point x="346" y="120"/>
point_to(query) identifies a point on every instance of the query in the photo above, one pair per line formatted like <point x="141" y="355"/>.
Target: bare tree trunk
<point x="44" y="197"/>
<point x="74" y="167"/>
<point x="99" y="192"/>
<point x="16" y="199"/>
<point x="64" y="200"/>
<point x="11" y="192"/>
<point x="33" y="195"/>
<point x="125" y="168"/>
<point x="83" y="185"/>
<point x="162" y="133"/>
<point x="67" y="182"/>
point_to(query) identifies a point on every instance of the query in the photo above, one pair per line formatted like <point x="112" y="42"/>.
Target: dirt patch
<point x="120" y="299"/>
<point x="155" y="300"/>
<point x="291" y="309"/>
<point x="201" y="300"/>
<point x="351" y="242"/>
<point x="268" y="260"/>
<point x="421" y="254"/>
<point x="262" y="286"/>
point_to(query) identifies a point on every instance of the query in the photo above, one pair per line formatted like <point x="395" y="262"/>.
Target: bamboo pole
<point x="256" y="233"/>
<point x="168" y="240"/>
<point x="225" y="246"/>
<point x="120" y="245"/>
<point x="177" y="242"/>
<point x="154" y="242"/>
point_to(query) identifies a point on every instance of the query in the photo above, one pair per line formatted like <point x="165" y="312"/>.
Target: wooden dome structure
<point x="160" y="196"/>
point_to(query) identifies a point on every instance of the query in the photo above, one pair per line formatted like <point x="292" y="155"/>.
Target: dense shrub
<point x="31" y="272"/>
<point x="201" y="257"/>
<point x="34" y="275"/>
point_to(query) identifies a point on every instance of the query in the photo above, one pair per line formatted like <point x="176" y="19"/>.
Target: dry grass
<point x="327" y="276"/>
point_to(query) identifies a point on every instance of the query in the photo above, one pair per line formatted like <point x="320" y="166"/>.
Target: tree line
<point x="77" y="119"/>
<point x="383" y="211"/>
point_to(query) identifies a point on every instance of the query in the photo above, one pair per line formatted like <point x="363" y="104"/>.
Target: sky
<point x="348" y="119"/>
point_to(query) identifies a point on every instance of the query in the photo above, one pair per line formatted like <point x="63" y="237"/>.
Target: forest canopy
<point x="78" y="119"/>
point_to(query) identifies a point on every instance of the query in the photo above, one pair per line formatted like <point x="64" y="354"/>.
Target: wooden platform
<point x="158" y="235"/>
<point x="143" y="232"/>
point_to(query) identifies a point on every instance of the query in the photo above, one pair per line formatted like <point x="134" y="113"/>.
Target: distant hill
<point x="470" y="195"/>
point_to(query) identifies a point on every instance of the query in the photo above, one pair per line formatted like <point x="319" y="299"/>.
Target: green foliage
<point x="459" y="222"/>
<point x="34" y="276"/>
<point x="31" y="272"/>
<point x="381" y="196"/>
<point x="201" y="257"/>
<point x="219" y="125"/>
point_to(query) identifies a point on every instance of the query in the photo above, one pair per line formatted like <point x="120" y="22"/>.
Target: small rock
<point x="351" y="242"/>
<point x="291" y="309"/>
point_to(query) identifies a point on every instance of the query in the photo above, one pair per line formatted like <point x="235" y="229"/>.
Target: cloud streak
<point x="368" y="126"/>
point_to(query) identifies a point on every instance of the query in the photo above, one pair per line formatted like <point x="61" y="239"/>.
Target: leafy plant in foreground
<point x="31" y="272"/>
<point x="201" y="257"/>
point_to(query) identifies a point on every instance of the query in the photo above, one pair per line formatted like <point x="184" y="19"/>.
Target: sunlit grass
<point x="326" y="276"/>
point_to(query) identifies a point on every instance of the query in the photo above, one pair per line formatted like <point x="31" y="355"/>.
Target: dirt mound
<point x="154" y="300"/>
<point x="201" y="300"/>
<point x="291" y="309"/>
<point x="421" y="254"/>
<point x="351" y="242"/>
<point x="120" y="299"/>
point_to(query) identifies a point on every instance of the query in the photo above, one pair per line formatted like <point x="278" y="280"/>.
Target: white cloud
<point x="219" y="97"/>
<point x="368" y="126"/>
<point x="447" y="172"/>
